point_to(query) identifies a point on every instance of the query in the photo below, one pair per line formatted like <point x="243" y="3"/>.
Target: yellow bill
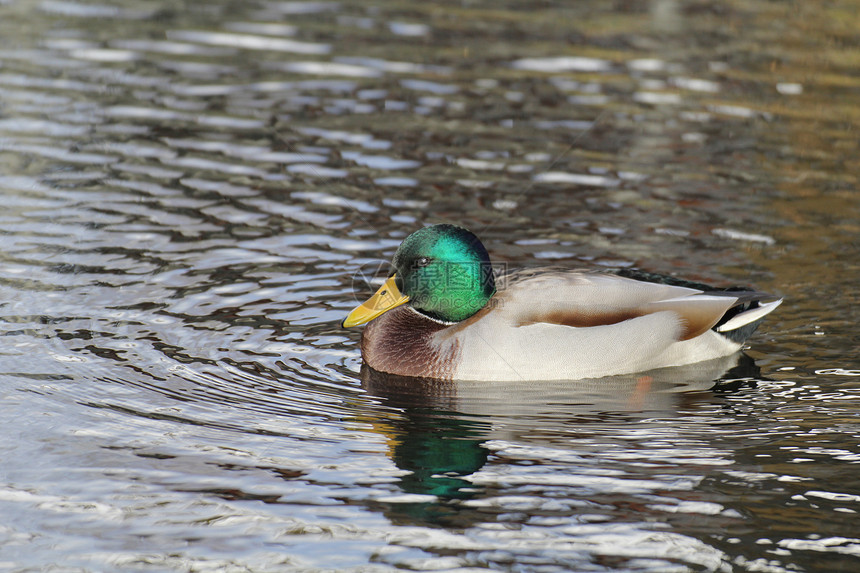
<point x="387" y="297"/>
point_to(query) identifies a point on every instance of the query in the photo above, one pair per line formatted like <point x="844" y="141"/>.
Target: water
<point x="193" y="193"/>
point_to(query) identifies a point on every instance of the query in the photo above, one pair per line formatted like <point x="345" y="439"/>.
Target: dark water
<point x="191" y="193"/>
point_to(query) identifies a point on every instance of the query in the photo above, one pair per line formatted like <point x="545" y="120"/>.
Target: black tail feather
<point x="747" y="299"/>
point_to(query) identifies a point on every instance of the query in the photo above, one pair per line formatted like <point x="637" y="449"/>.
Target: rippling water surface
<point x="192" y="194"/>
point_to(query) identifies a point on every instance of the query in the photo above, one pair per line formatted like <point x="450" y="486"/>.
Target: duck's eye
<point x="422" y="262"/>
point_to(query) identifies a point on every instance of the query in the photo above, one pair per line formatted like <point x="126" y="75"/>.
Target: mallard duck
<point x="441" y="315"/>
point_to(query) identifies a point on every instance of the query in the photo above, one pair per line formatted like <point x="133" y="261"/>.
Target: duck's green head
<point x="442" y="271"/>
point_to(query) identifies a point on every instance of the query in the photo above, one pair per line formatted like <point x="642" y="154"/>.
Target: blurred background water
<point x="192" y="193"/>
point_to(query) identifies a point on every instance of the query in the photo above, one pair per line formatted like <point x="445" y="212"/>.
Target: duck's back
<point x="583" y="325"/>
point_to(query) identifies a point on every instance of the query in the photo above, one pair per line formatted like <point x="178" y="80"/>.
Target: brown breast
<point x="400" y="342"/>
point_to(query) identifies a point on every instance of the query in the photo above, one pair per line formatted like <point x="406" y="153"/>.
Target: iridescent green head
<point x="445" y="271"/>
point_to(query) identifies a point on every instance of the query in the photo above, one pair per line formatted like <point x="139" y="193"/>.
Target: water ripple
<point x="248" y="41"/>
<point x="192" y="196"/>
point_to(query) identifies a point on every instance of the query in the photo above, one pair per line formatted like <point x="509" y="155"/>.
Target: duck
<point x="444" y="314"/>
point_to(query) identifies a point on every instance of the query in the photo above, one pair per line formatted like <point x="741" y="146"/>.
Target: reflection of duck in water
<point x="631" y="397"/>
<point x="440" y="436"/>
<point x="441" y="316"/>
<point x="436" y="446"/>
